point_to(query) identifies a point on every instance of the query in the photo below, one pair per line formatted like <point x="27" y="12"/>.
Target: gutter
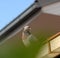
<point x="19" y="21"/>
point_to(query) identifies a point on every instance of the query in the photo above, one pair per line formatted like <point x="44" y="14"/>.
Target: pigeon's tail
<point x="30" y="39"/>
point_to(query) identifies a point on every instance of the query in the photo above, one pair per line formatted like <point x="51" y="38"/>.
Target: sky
<point x="10" y="9"/>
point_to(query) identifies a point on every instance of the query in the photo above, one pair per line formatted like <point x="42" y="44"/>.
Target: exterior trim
<point x="20" y="20"/>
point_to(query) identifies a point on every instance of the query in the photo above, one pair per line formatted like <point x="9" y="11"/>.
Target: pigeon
<point x="27" y="36"/>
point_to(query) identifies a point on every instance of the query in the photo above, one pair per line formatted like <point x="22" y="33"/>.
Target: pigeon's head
<point x="27" y="28"/>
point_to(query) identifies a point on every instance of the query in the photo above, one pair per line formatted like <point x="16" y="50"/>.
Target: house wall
<point x="42" y="27"/>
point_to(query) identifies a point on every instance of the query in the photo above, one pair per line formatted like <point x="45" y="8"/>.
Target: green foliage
<point x="14" y="48"/>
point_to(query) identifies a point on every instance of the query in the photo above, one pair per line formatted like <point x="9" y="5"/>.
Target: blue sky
<point x="9" y="9"/>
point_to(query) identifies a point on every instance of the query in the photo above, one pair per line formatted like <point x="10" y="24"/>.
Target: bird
<point x="27" y="36"/>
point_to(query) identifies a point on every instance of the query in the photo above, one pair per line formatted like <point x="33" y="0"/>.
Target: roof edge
<point x="20" y="20"/>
